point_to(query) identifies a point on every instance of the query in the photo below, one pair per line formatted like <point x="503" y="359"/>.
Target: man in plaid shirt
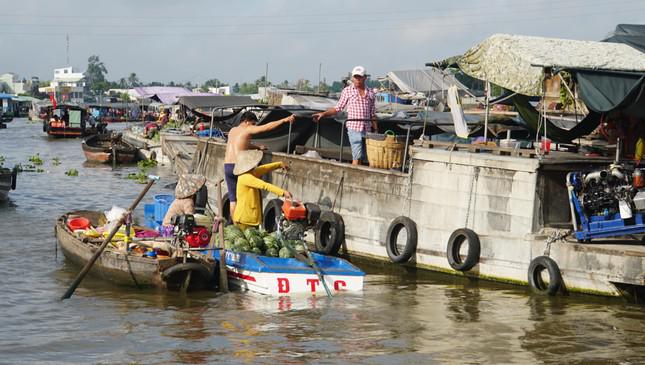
<point x="361" y="113"/>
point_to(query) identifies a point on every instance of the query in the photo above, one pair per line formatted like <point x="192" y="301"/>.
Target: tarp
<point x="516" y="62"/>
<point x="630" y="34"/>
<point x="604" y="92"/>
<point x="427" y="80"/>
<point x="531" y="118"/>
<point x="206" y="103"/>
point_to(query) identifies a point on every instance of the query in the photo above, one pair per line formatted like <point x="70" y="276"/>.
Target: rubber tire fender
<point x="201" y="198"/>
<point x="393" y="233"/>
<point x="474" y="249"/>
<point x="329" y="233"/>
<point x="535" y="280"/>
<point x="187" y="266"/>
<point x="14" y="177"/>
<point x="272" y="211"/>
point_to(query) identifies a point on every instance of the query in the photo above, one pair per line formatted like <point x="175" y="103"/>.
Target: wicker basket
<point x="386" y="153"/>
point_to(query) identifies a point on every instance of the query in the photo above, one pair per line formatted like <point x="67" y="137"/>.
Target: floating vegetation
<point x="139" y="177"/>
<point x="36" y="160"/>
<point x="2" y="160"/>
<point x="71" y="172"/>
<point x="56" y="161"/>
<point x="146" y="164"/>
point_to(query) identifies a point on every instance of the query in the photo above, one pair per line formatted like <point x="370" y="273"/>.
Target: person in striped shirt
<point x="361" y="113"/>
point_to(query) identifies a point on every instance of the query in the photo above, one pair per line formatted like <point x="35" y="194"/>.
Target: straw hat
<point x="188" y="185"/>
<point x="247" y="161"/>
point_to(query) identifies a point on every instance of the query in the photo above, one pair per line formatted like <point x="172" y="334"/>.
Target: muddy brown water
<point x="403" y="316"/>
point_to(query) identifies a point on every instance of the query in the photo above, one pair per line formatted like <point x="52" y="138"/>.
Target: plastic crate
<point x="162" y="203"/>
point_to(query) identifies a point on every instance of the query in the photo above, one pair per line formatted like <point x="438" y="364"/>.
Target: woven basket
<point x="385" y="154"/>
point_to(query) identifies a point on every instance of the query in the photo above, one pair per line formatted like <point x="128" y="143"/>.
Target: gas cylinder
<point x="637" y="179"/>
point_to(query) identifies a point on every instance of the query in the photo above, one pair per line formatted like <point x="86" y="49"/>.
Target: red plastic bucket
<point x="78" y="223"/>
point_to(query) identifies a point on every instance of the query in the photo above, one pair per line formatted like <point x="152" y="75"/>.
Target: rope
<point x="557" y="235"/>
<point x="470" y="196"/>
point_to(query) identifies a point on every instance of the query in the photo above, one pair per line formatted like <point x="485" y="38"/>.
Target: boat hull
<point x="123" y="268"/>
<point x="7" y="182"/>
<point x="98" y="148"/>
<point x="279" y="276"/>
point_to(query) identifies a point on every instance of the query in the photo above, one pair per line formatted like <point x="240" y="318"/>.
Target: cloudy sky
<point x="162" y="40"/>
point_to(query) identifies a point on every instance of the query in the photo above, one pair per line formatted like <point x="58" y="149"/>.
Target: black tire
<point x="272" y="211"/>
<point x="396" y="255"/>
<point x="14" y="177"/>
<point x="457" y="238"/>
<point x="329" y="233"/>
<point x="536" y="282"/>
<point x="226" y="209"/>
<point x="173" y="281"/>
<point x="201" y="198"/>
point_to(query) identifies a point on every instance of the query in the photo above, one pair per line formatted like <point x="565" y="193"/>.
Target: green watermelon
<point x="299" y="247"/>
<point x="256" y="251"/>
<point x="272" y="252"/>
<point x="257" y="241"/>
<point x="241" y="241"/>
<point x="228" y="244"/>
<point x="251" y="232"/>
<point x="284" y="253"/>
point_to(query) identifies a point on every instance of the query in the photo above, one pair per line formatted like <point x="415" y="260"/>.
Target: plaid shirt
<point x="358" y="107"/>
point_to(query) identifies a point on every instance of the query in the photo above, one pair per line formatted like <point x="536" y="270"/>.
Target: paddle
<point x="307" y="260"/>
<point x="99" y="251"/>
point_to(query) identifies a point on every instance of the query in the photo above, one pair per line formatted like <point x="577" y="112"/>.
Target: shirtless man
<point x="239" y="139"/>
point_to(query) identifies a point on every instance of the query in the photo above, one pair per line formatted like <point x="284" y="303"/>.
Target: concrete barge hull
<point x="515" y="205"/>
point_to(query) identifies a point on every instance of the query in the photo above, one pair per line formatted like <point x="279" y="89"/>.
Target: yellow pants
<point x="243" y="226"/>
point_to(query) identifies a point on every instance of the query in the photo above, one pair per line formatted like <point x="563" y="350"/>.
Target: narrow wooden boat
<point x="129" y="268"/>
<point x="7" y="181"/>
<point x="105" y="147"/>
<point x="285" y="276"/>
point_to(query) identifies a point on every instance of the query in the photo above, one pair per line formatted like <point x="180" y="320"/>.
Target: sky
<point x="233" y="41"/>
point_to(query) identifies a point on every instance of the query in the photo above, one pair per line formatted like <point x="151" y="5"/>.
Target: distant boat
<point x="69" y="121"/>
<point x="7" y="181"/>
<point x="104" y="148"/>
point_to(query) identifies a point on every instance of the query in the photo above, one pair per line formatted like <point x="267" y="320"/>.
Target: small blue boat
<point x="284" y="276"/>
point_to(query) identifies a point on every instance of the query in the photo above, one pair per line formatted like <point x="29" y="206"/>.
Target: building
<point x="67" y="85"/>
<point x="10" y="83"/>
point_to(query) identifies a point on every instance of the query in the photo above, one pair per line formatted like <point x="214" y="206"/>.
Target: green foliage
<point x="565" y="97"/>
<point x="36" y="160"/>
<point x="56" y="161"/>
<point x="139" y="177"/>
<point x="95" y="74"/>
<point x="71" y="172"/>
<point x="145" y="165"/>
<point x="2" y="160"/>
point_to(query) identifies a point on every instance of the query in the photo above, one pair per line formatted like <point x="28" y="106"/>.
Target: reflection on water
<point x="403" y="316"/>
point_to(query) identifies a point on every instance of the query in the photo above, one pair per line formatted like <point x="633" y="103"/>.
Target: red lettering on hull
<point x="283" y="285"/>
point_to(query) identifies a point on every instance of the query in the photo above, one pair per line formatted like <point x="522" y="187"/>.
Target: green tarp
<point x="531" y="118"/>
<point x="604" y="91"/>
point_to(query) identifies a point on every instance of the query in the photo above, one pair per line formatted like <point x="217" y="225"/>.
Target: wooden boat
<point x="7" y="181"/>
<point x="72" y="122"/>
<point x="285" y="276"/>
<point x="106" y="147"/>
<point x="129" y="268"/>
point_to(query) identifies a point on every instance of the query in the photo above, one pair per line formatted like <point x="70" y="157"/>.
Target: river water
<point x="403" y="316"/>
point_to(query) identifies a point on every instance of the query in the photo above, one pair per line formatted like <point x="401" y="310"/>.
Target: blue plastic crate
<point x="162" y="203"/>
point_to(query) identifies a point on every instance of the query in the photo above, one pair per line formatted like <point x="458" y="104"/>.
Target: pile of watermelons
<point x="258" y="242"/>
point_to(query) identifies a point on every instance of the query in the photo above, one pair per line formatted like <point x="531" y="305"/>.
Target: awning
<point x="517" y="62"/>
<point x="427" y="80"/>
<point x="210" y="102"/>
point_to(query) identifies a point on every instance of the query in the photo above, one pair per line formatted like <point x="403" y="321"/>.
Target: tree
<point x="122" y="83"/>
<point x="133" y="80"/>
<point x="95" y="74"/>
<point x="236" y="88"/>
<point x="284" y="84"/>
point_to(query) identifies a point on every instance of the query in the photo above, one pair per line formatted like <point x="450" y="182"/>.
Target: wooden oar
<point x="307" y="260"/>
<point x="99" y="251"/>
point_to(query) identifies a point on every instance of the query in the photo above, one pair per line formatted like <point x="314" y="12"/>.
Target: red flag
<point x="52" y="97"/>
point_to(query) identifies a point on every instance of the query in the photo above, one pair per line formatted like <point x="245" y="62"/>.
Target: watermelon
<point x="299" y="247"/>
<point x="256" y="251"/>
<point x="241" y="241"/>
<point x="284" y="253"/>
<point x="228" y="244"/>
<point x="272" y="252"/>
<point x="257" y="241"/>
<point x="251" y="232"/>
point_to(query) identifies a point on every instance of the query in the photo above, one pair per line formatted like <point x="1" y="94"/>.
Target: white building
<point x="10" y="83"/>
<point x="67" y="85"/>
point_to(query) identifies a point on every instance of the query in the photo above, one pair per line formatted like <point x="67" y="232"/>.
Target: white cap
<point x="358" y="70"/>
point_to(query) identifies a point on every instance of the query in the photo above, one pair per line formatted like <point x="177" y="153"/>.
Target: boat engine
<point x="603" y="192"/>
<point x="297" y="218"/>
<point x="187" y="230"/>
